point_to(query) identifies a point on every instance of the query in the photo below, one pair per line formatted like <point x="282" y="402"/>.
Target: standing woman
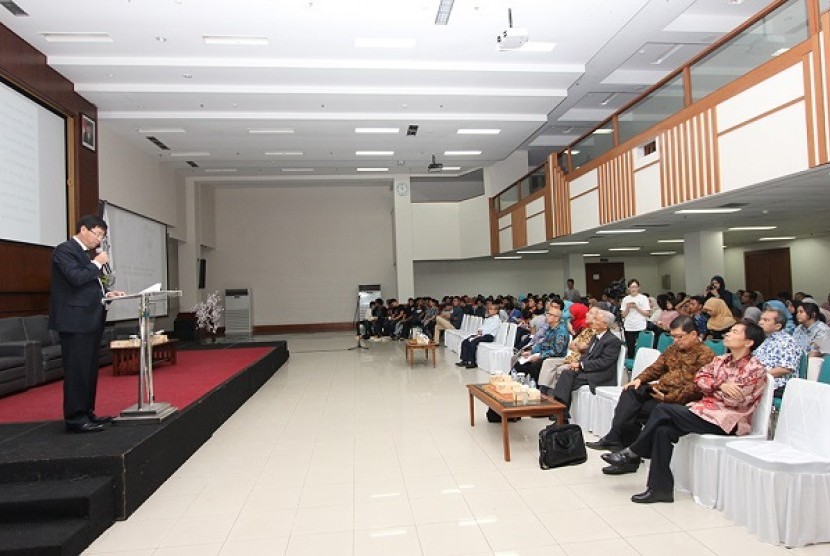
<point x="635" y="310"/>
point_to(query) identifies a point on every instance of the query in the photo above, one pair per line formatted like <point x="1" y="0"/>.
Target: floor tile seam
<point x="696" y="541"/>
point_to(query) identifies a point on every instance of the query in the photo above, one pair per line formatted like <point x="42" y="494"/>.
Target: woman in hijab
<point x="752" y="314"/>
<point x="781" y="308"/>
<point x="717" y="288"/>
<point x="720" y="317"/>
<point x="578" y="312"/>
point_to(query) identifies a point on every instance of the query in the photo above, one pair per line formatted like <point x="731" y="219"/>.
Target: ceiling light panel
<point x="373" y="169"/>
<point x="533" y="251"/>
<point x="664" y="253"/>
<point x="450" y="168"/>
<point x="507" y="258"/>
<point x="671" y="240"/>
<point x="624" y="248"/>
<point x="708" y="211"/>
<point x="271" y="131"/>
<point x="566" y="243"/>
<point x="298" y="169"/>
<point x="473" y="131"/>
<point x="77" y="37"/>
<point x="284" y="153"/>
<point x="381" y="130"/>
<point x="190" y="154"/>
<point x="779" y="238"/>
<point x="462" y="153"/>
<point x="621" y="231"/>
<point x="235" y="40"/>
<point x="752" y="228"/>
<point x="374" y="153"/>
<point x="155" y="130"/>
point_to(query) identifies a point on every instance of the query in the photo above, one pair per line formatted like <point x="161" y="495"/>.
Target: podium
<point x="147" y="409"/>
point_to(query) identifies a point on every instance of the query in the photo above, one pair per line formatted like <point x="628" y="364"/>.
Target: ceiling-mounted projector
<point x="510" y="38"/>
<point x="435" y="166"/>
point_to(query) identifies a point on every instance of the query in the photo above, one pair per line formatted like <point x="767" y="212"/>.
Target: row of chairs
<point x="646" y="340"/>
<point x="469" y="325"/>
<point x="493" y="357"/>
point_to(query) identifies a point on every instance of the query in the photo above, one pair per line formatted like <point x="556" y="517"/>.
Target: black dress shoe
<point x="471" y="366"/>
<point x="651" y="496"/>
<point x="621" y="469"/>
<point x="103" y="420"/>
<point x="603" y="444"/>
<point x="461" y="364"/>
<point x="85" y="427"/>
<point x="620" y="458"/>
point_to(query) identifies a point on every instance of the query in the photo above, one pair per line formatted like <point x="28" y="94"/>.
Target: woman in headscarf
<point x="752" y="314"/>
<point x="781" y="308"/>
<point x="717" y="289"/>
<point x="578" y="312"/>
<point x="720" y="317"/>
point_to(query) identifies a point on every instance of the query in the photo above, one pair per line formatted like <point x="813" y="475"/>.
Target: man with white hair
<point x="597" y="366"/>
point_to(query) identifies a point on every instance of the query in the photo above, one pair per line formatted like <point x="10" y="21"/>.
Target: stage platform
<point x="122" y="466"/>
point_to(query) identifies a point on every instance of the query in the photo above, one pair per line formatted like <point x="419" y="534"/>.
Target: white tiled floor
<point x="353" y="453"/>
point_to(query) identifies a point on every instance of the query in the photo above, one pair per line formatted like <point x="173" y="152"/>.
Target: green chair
<point x="665" y="341"/>
<point x="824" y="374"/>
<point x="716" y="346"/>
<point x="802" y="373"/>
<point x="645" y="339"/>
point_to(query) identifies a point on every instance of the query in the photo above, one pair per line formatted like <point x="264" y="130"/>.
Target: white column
<point x="574" y="267"/>
<point x="404" y="266"/>
<point x="703" y="255"/>
<point x="189" y="249"/>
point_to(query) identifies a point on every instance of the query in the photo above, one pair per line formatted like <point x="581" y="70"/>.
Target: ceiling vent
<point x="192" y="164"/>
<point x="156" y="142"/>
<point x="13" y="8"/>
<point x="412" y="130"/>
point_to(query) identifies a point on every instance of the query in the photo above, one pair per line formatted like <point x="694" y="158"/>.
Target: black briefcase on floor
<point x="561" y="445"/>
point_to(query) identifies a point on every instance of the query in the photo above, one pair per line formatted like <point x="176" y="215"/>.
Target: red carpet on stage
<point x="195" y="374"/>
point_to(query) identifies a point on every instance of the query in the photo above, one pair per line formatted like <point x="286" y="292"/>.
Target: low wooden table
<point x="509" y="409"/>
<point x="127" y="360"/>
<point x="412" y="346"/>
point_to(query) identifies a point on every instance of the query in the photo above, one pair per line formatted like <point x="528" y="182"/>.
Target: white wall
<point x="501" y="174"/>
<point x="487" y="276"/>
<point x="303" y="250"/>
<point x="436" y="231"/>
<point x="809" y="262"/>
<point x="136" y="181"/>
<point x="474" y="218"/>
<point x="207" y="215"/>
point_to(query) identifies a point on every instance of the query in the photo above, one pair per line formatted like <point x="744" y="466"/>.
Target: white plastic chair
<point x="605" y="402"/>
<point x="697" y="460"/>
<point x="495" y="357"/>
<point x="582" y="400"/>
<point x="780" y="489"/>
<point x="469" y="325"/>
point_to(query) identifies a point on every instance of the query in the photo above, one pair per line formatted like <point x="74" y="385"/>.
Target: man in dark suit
<point x="76" y="312"/>
<point x="597" y="366"/>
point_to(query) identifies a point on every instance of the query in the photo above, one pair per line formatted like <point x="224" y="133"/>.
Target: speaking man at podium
<point x="76" y="312"/>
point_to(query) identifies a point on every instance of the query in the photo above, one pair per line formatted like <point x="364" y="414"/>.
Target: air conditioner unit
<point x="238" y="311"/>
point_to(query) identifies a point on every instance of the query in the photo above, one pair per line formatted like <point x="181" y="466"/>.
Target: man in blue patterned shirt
<point x="554" y="343"/>
<point x="779" y="353"/>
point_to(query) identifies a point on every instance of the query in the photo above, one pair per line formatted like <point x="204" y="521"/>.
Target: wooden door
<point x="599" y="276"/>
<point x="768" y="271"/>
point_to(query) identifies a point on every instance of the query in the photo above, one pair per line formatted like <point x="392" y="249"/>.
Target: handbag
<point x="561" y="445"/>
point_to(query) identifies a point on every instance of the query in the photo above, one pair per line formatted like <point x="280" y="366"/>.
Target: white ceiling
<point x="157" y="72"/>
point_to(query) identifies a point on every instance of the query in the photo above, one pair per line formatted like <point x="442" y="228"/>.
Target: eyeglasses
<point x="554" y="315"/>
<point x="99" y="235"/>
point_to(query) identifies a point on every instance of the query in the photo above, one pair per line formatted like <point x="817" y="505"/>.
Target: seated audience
<point x="748" y="299"/>
<point x="720" y="318"/>
<point x="597" y="366"/>
<point x="811" y="331"/>
<point x="554" y="343"/>
<point x="429" y="316"/>
<point x="578" y="313"/>
<point x="380" y="318"/>
<point x="368" y="321"/>
<point x="732" y="385"/>
<point x="779" y="306"/>
<point x="670" y="379"/>
<point x="779" y="353"/>
<point x="752" y="314"/>
<point x="553" y="367"/>
<point x="693" y="307"/>
<point x="487" y="333"/>
<point x="717" y="289"/>
<point x="449" y="319"/>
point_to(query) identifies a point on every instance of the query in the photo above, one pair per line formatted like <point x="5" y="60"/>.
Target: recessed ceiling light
<point x="155" y="130"/>
<point x="575" y="151"/>
<point x="667" y="54"/>
<point x="373" y="169"/>
<point x="664" y="252"/>
<point x="778" y="52"/>
<point x="190" y="154"/>
<point x="462" y="153"/>
<point x="781" y="238"/>
<point x="187" y="75"/>
<point x="624" y="248"/>
<point x="271" y="130"/>
<point x="507" y="258"/>
<point x="564" y="243"/>
<point x="533" y="251"/>
<point x="450" y="168"/>
<point x="284" y="153"/>
<point x="374" y="153"/>
<point x="77" y="37"/>
<point x="603" y="131"/>
<point x="708" y="211"/>
<point x="383" y="43"/>
<point x="752" y="228"/>
<point x="235" y="40"/>
<point x="609" y="98"/>
<point x="591" y="254"/>
<point x="377" y="130"/>
<point x="621" y="231"/>
<point x="220" y="170"/>
<point x="671" y="240"/>
<point x="161" y="39"/>
<point x="298" y="169"/>
<point x="481" y="131"/>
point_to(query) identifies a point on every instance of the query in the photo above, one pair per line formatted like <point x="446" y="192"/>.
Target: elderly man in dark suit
<point x="76" y="312"/>
<point x="597" y="366"/>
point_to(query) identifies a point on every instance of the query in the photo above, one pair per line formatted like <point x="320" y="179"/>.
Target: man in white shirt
<point x="487" y="333"/>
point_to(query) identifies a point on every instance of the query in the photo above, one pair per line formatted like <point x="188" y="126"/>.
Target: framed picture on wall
<point x="87" y="132"/>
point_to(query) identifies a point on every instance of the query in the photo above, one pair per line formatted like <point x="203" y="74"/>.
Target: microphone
<point x="106" y="266"/>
